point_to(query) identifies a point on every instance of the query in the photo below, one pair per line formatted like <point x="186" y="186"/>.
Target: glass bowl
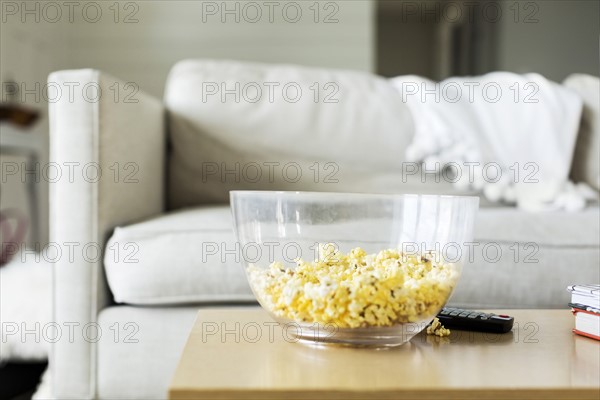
<point x="352" y="269"/>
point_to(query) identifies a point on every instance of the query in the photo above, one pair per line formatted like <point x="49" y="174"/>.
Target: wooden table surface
<point x="240" y="353"/>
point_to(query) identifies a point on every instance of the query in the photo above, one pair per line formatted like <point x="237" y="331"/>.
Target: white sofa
<point x="159" y="214"/>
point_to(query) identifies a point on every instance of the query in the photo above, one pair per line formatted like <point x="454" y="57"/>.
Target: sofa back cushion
<point x="586" y="160"/>
<point x="236" y="125"/>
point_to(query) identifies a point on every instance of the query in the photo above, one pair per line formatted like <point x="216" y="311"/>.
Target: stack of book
<point x="585" y="305"/>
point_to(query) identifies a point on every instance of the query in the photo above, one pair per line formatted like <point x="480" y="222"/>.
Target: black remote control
<point x="468" y="320"/>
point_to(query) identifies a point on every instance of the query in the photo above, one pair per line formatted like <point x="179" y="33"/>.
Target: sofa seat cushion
<point x="526" y="260"/>
<point x="182" y="257"/>
<point x="519" y="259"/>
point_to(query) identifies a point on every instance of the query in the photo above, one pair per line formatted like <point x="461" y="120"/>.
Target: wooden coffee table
<point x="240" y="353"/>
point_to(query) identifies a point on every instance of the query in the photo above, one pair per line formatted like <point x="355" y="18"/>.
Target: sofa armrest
<point x="107" y="144"/>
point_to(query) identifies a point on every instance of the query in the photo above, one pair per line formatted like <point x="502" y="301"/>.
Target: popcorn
<point x="436" y="328"/>
<point x="357" y="289"/>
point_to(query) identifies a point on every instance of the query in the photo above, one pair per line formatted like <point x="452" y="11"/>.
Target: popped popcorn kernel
<point x="436" y="328"/>
<point x="356" y="289"/>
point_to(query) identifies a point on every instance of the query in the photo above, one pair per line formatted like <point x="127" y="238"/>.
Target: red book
<point x="587" y="323"/>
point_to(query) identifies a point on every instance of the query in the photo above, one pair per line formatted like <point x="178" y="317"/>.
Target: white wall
<point x="554" y="37"/>
<point x="140" y="41"/>
<point x="169" y="31"/>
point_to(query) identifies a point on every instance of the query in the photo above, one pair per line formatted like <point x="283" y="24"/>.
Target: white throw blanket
<point x="510" y="136"/>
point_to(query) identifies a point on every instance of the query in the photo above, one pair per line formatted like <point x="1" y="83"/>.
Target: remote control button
<point x="463" y="314"/>
<point x="445" y="312"/>
<point x="472" y="316"/>
<point x="503" y="316"/>
<point x="483" y="317"/>
<point x="454" y="313"/>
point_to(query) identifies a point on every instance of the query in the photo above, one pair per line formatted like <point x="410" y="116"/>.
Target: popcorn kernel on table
<point x="436" y="328"/>
<point x="356" y="289"/>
